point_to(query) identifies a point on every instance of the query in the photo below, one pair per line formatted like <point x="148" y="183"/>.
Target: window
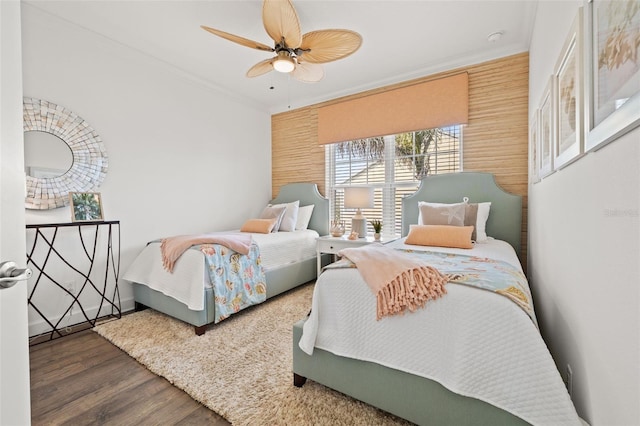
<point x="394" y="166"/>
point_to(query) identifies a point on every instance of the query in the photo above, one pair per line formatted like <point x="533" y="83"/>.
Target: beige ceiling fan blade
<point x="281" y="21"/>
<point x="308" y="72"/>
<point x="329" y="45"/>
<point x="237" y="39"/>
<point x="261" y="67"/>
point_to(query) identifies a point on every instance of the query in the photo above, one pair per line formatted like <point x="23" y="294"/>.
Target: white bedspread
<point x="189" y="278"/>
<point x="474" y="342"/>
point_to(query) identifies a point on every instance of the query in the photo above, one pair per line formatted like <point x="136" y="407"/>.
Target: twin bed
<point x="469" y="357"/>
<point x="186" y="293"/>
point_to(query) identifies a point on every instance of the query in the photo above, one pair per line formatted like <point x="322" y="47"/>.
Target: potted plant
<point x="377" y="227"/>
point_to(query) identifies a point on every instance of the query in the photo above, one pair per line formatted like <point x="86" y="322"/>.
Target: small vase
<point x="337" y="229"/>
<point x="376" y="236"/>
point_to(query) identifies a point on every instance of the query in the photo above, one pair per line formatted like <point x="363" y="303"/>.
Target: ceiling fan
<point x="296" y="53"/>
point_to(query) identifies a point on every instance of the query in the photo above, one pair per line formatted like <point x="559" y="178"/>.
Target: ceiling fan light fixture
<point x="284" y="62"/>
<point x="297" y="54"/>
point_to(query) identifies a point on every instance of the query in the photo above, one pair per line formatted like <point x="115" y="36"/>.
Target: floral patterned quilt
<point x="238" y="280"/>
<point x="485" y="273"/>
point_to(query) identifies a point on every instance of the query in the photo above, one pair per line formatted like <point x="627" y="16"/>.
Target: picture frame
<point x="612" y="97"/>
<point x="568" y="145"/>
<point x="534" y="148"/>
<point x="86" y="206"/>
<point x="547" y="129"/>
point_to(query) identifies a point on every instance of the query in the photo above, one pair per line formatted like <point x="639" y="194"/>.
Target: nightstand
<point x="332" y="245"/>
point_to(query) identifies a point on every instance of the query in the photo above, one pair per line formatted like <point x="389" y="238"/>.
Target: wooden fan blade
<point x="281" y="21"/>
<point x="329" y="45"/>
<point x="237" y="39"/>
<point x="261" y="67"/>
<point x="308" y="72"/>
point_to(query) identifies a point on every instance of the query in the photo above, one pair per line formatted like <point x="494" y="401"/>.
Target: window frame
<point x="389" y="192"/>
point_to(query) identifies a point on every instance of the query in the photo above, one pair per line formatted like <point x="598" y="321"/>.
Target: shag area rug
<point x="240" y="368"/>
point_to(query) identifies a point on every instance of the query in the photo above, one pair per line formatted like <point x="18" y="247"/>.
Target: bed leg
<point x="298" y="380"/>
<point x="139" y="307"/>
<point x="200" y="329"/>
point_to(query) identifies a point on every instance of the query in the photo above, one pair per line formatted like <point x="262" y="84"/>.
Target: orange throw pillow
<point x="259" y="226"/>
<point x="440" y="236"/>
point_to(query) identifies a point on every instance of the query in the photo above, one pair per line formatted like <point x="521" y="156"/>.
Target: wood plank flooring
<point x="83" y="379"/>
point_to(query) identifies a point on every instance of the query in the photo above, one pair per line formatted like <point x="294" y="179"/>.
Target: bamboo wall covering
<point x="495" y="140"/>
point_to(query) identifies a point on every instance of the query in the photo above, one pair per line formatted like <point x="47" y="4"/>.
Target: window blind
<point x="394" y="165"/>
<point x="432" y="104"/>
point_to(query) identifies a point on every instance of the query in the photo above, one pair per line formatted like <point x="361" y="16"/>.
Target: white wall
<point x="182" y="157"/>
<point x="584" y="254"/>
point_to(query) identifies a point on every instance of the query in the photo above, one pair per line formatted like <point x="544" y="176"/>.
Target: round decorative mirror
<point x="46" y="155"/>
<point x="50" y="173"/>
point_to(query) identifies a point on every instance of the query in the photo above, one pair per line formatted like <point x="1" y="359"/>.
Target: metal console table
<point x="38" y="257"/>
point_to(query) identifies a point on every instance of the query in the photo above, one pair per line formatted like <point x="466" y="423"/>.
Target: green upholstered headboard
<point x="308" y="194"/>
<point x="505" y="216"/>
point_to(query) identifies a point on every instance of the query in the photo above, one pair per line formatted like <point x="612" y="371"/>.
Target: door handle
<point x="10" y="274"/>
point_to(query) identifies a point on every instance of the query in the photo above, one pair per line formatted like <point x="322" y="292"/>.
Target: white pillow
<point x="288" y="223"/>
<point x="481" y="222"/>
<point x="304" y="216"/>
<point x="271" y="212"/>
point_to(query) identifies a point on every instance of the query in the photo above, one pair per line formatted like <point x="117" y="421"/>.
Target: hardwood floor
<point x="83" y="379"/>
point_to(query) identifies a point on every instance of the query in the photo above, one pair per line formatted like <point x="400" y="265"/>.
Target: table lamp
<point x="358" y="197"/>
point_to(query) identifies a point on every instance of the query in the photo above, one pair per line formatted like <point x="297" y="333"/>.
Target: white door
<point x="14" y="340"/>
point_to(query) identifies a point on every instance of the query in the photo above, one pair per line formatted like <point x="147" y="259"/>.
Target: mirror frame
<point x="90" y="160"/>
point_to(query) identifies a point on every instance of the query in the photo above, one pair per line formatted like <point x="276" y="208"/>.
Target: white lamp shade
<point x="358" y="197"/>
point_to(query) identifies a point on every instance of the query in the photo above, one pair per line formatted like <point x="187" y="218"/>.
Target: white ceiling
<point x="401" y="40"/>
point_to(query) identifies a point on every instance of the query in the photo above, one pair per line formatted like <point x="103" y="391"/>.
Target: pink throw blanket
<point x="399" y="282"/>
<point x="173" y="247"/>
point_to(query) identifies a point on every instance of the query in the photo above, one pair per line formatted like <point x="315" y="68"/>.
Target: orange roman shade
<point x="435" y="103"/>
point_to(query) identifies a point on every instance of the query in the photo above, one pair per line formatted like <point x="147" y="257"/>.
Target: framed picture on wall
<point x="547" y="129"/>
<point x="612" y="69"/>
<point x="534" y="142"/>
<point x="86" y="206"/>
<point x="568" y="94"/>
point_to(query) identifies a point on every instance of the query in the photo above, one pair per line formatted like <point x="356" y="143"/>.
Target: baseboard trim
<point x="71" y="329"/>
<point x="40" y="331"/>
